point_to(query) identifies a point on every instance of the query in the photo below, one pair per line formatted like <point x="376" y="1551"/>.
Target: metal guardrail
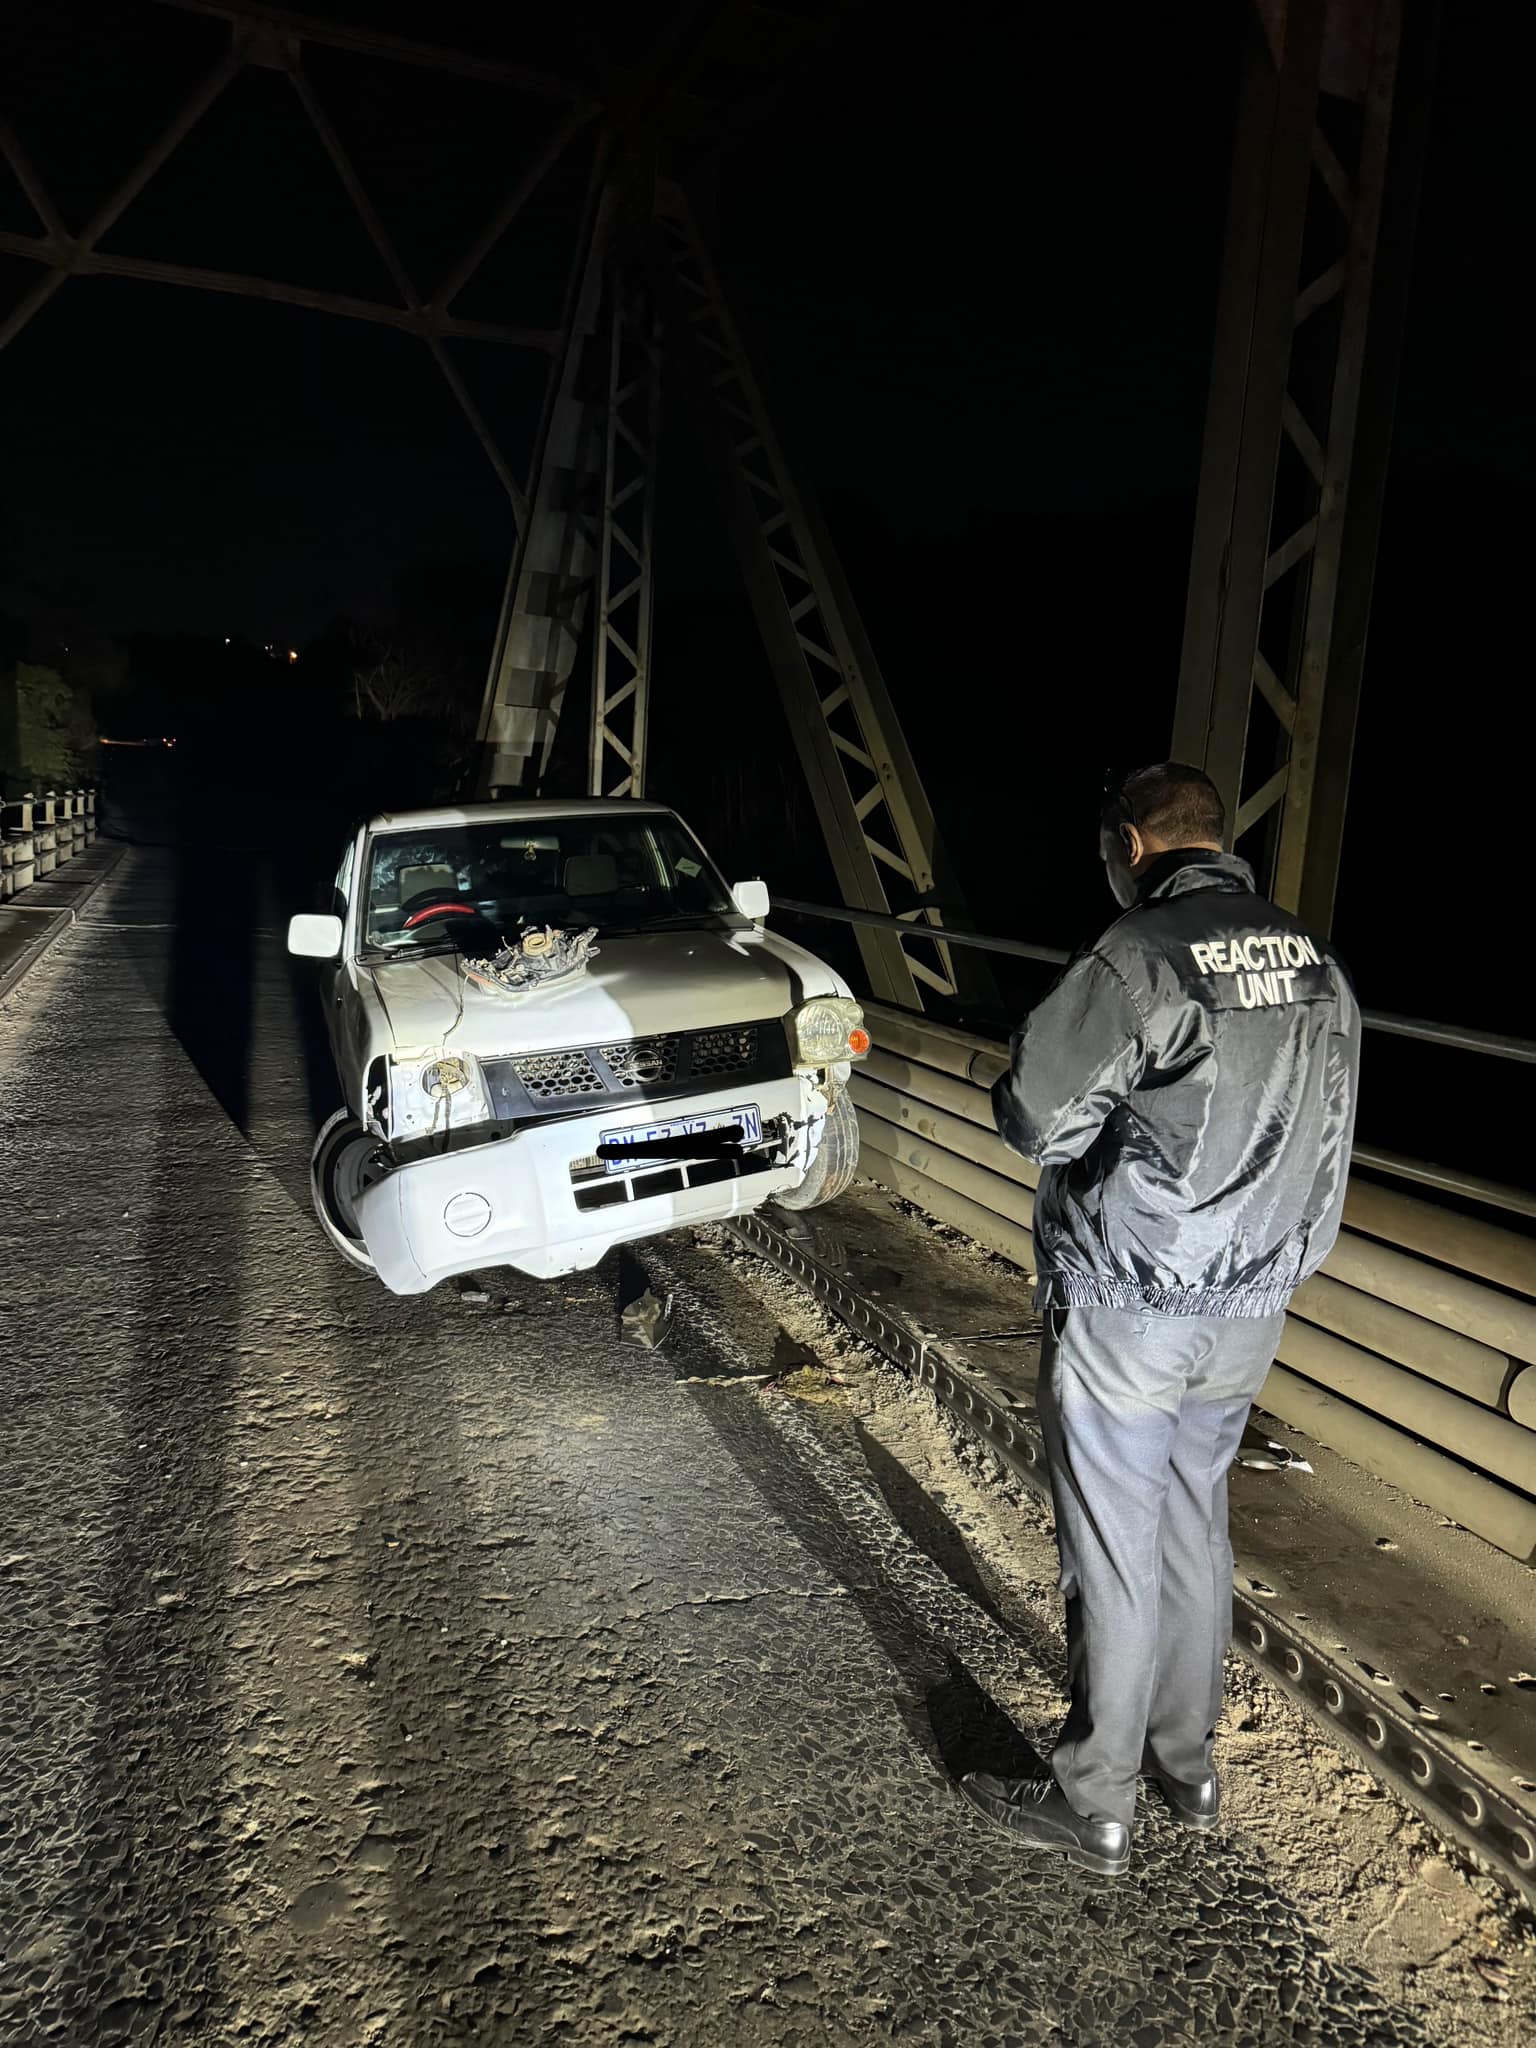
<point x="1412" y="1353"/>
<point x="39" y="833"/>
<point x="987" y="1059"/>
<point x="1052" y="955"/>
<point x="1471" y="1187"/>
<point x="1460" y="1036"/>
<point x="1502" y="1045"/>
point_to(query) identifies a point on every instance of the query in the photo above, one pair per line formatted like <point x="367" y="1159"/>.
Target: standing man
<point x="1189" y="1088"/>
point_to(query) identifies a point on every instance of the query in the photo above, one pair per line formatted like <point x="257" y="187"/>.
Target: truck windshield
<point x="490" y="878"/>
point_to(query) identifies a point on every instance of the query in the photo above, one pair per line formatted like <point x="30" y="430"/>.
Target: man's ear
<point x="1130" y="839"/>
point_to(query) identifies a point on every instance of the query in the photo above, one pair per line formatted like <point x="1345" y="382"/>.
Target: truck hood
<point x="636" y="987"/>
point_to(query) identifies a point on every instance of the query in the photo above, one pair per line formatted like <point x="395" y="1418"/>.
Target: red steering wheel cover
<point x="438" y="910"/>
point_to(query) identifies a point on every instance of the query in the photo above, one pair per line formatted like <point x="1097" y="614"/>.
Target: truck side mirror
<point x="752" y="900"/>
<point x="314" y="937"/>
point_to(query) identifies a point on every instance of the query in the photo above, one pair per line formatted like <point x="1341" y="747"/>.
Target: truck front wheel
<point x="836" y="1161"/>
<point x="343" y="1163"/>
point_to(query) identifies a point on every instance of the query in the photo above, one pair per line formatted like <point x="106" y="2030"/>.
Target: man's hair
<point x="1177" y="805"/>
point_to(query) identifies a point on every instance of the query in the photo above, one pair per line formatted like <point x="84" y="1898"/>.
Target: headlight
<point x="443" y="1092"/>
<point x="444" y="1077"/>
<point x="827" y="1030"/>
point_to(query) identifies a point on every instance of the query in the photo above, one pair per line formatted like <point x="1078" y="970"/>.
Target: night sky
<point x="976" y="258"/>
<point x="978" y="271"/>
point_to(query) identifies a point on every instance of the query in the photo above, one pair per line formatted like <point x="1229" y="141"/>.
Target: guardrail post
<point x="45" y="833"/>
<point x="20" y="845"/>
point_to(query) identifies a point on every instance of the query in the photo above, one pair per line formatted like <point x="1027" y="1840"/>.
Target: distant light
<point x="226" y="639"/>
<point x="292" y="655"/>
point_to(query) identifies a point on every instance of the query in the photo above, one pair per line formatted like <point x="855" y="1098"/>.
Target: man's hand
<point x="1077" y="1056"/>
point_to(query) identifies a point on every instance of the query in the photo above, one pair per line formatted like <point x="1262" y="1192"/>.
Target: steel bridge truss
<point x="590" y="535"/>
<point x="268" y="39"/>
<point x="1298" y="427"/>
<point x="621" y="649"/>
<point x="554" y="560"/>
<point x="879" y="826"/>
<point x="1313" y="290"/>
<point x="586" y="548"/>
<point x="583" y="511"/>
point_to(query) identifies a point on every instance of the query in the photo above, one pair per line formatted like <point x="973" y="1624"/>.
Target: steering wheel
<point x="436" y="906"/>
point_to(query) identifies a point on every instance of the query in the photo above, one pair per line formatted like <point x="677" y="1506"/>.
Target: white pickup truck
<point x="557" y="1029"/>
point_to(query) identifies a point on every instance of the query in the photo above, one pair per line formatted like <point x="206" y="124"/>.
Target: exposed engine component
<point x="533" y="960"/>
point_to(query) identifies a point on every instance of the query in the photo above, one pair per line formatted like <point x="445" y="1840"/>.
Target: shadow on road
<point x="926" y="1523"/>
<point x="156" y="1913"/>
<point x="950" y="1717"/>
<point x="227" y="894"/>
<point x="153" y="1863"/>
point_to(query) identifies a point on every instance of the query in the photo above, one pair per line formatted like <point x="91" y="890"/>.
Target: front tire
<point x="836" y="1161"/>
<point x="343" y="1163"/>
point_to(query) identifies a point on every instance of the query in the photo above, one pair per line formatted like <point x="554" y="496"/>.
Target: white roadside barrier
<point x="39" y="834"/>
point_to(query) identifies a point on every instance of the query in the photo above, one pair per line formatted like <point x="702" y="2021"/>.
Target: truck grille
<point x="725" y="1052"/>
<point x="548" y="1076"/>
<point x="576" y="1080"/>
<point x="644" y="1062"/>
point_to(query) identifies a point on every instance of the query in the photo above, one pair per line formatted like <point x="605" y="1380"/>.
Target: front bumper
<point x="533" y="1217"/>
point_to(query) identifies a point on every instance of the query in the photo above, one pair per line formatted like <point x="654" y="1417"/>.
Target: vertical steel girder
<point x="878" y="824"/>
<point x="553" y="564"/>
<point x="1298" y="426"/>
<point x="621" y="646"/>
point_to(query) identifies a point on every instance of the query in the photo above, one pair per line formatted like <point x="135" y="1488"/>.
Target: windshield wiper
<point x="418" y="949"/>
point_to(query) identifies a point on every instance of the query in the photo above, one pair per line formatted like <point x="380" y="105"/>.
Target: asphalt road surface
<point x="416" y="1672"/>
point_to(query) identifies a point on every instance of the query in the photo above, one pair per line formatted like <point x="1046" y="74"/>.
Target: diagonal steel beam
<point x="510" y="208"/>
<point x="29" y="181"/>
<point x="517" y="497"/>
<point x="878" y="816"/>
<point x="390" y="256"/>
<point x="367" y="42"/>
<point x="366" y="212"/>
<point x="191" y="112"/>
<point x="150" y="270"/>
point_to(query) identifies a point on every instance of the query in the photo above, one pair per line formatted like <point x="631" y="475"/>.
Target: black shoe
<point x="1036" y="1811"/>
<point x="1192" y="1806"/>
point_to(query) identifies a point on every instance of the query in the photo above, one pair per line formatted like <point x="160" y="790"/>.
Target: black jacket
<point x="1189" y="1087"/>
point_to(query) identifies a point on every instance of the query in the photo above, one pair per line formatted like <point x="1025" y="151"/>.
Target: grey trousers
<point x="1142" y="1416"/>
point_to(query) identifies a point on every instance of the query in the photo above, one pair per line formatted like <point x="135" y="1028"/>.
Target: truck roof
<point x="524" y="810"/>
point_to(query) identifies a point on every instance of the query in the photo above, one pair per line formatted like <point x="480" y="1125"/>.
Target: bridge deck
<point x="413" y="1672"/>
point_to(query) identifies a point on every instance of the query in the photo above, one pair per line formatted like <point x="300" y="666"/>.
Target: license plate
<point x="749" y="1116"/>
